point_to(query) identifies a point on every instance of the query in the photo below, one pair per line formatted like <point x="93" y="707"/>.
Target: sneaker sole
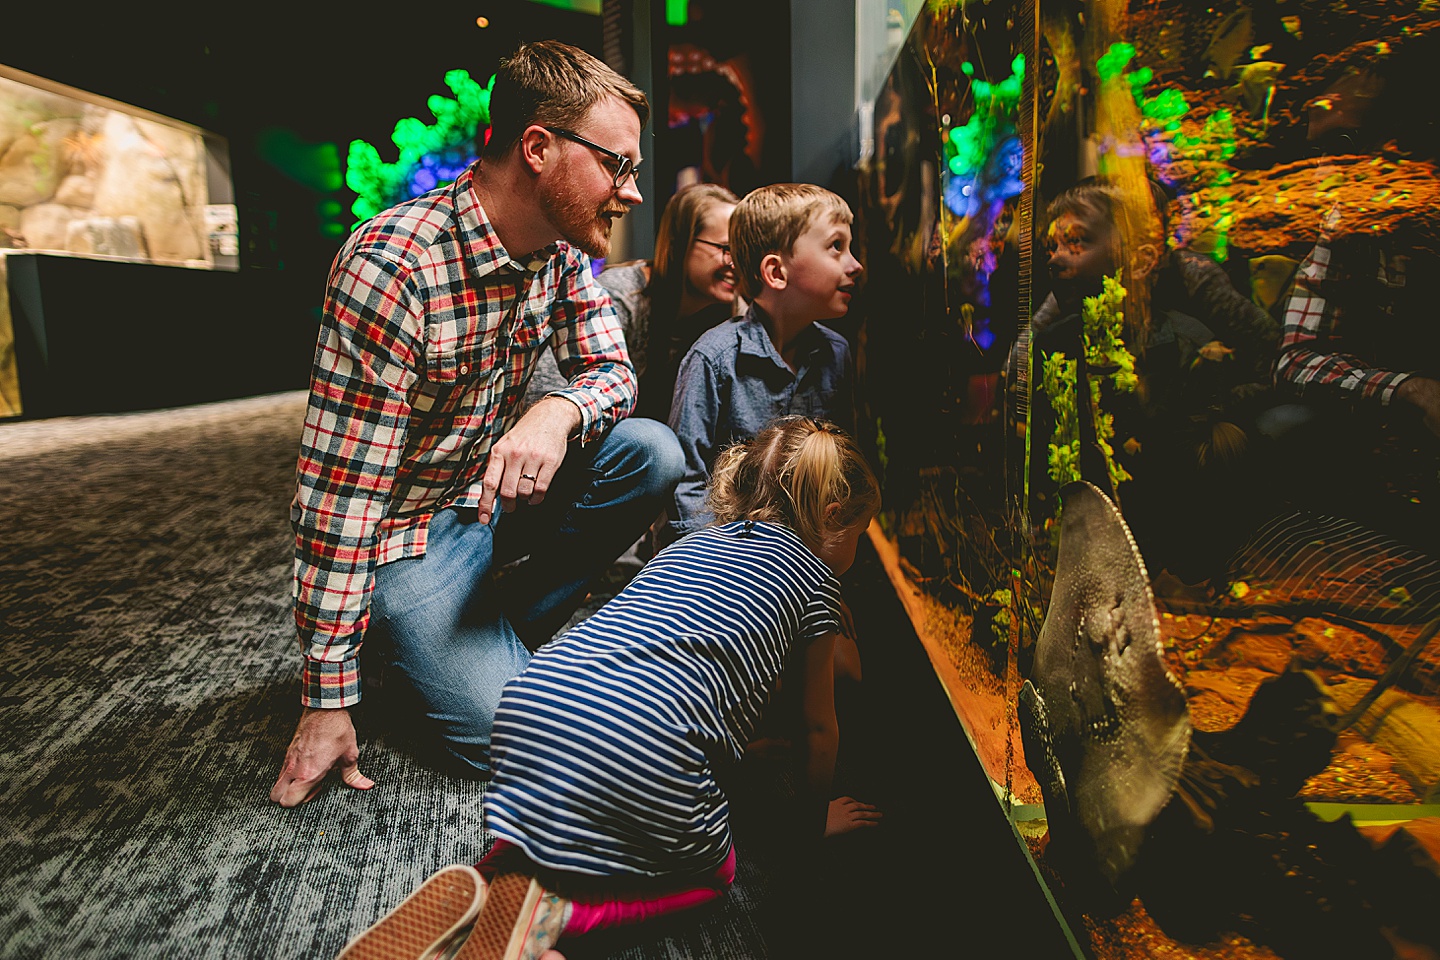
<point x="426" y="922"/>
<point x="520" y="921"/>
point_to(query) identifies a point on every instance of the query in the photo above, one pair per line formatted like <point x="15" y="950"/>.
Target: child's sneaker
<point x="521" y="920"/>
<point x="426" y="925"/>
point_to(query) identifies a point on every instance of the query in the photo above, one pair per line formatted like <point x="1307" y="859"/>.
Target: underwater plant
<point x="1060" y="377"/>
<point x="1103" y="320"/>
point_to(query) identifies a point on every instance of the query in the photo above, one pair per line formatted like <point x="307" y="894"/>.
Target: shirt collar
<point x="483" y="248"/>
<point x="755" y="338"/>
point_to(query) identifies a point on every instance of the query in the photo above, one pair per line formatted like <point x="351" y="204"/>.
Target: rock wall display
<point x="83" y="177"/>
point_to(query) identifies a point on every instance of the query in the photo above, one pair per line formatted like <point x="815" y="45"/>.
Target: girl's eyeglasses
<point x="724" y="248"/>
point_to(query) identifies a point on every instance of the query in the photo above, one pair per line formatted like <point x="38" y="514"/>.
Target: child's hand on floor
<point x="846" y="814"/>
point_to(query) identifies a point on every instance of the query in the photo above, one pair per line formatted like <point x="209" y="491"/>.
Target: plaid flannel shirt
<point x="429" y="334"/>
<point x="1313" y="361"/>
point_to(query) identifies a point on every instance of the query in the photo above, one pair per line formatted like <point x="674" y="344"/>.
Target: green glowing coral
<point x="1114" y="61"/>
<point x="379" y="184"/>
<point x="968" y="147"/>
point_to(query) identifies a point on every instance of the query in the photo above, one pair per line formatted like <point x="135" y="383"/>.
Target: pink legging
<point x="590" y="912"/>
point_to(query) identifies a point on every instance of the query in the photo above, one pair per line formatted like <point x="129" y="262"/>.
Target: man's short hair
<point x="770" y="219"/>
<point x="555" y="85"/>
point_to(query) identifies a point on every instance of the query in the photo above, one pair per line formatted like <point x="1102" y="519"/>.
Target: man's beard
<point x="580" y="224"/>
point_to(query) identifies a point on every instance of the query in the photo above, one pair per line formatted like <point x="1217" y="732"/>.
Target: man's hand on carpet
<point x="324" y="741"/>
<point x="846" y="814"/>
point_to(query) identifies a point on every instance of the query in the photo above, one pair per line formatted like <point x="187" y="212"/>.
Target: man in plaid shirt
<point x="435" y="313"/>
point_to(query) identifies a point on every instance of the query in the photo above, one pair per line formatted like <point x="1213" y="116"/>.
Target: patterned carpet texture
<point x="148" y="690"/>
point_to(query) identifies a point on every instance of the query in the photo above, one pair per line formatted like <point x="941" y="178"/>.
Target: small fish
<point x="1292" y="27"/>
<point x="1344" y="104"/>
<point x="1258" y="51"/>
<point x="1229" y="42"/>
<point x="1270" y="278"/>
<point x="1257" y="84"/>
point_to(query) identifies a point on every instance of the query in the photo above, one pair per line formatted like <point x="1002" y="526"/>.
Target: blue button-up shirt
<point x="733" y="382"/>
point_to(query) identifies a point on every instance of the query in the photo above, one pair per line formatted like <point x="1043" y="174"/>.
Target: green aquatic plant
<point x="1103" y="317"/>
<point x="378" y="184"/>
<point x="1103" y="321"/>
<point x="1059" y="376"/>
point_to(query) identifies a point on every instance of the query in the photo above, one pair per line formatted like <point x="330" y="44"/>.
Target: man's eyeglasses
<point x="724" y="248"/>
<point x="628" y="168"/>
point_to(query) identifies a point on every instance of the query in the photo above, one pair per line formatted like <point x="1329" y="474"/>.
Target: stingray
<point x="1104" y="724"/>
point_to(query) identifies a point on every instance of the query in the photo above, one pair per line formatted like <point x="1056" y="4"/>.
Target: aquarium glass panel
<point x="1150" y="366"/>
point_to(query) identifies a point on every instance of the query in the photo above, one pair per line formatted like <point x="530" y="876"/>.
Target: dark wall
<point x="277" y="81"/>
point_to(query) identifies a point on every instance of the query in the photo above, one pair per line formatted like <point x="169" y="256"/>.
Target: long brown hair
<point x="791" y="473"/>
<point x="685" y="216"/>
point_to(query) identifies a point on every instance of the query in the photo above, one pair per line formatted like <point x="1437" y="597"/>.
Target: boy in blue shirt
<point x="790" y="245"/>
<point x="790" y="249"/>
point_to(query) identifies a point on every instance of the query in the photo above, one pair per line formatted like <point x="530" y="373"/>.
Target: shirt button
<point x="464" y="369"/>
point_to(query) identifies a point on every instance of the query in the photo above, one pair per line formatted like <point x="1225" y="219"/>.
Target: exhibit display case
<point x="83" y="176"/>
<point x="1148" y="362"/>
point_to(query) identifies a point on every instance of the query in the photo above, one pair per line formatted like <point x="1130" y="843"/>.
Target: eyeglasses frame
<point x="628" y="167"/>
<point x="724" y="248"/>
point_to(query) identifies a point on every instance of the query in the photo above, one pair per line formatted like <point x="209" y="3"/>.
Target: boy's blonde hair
<point x="770" y="219"/>
<point x="554" y="85"/>
<point x="790" y="473"/>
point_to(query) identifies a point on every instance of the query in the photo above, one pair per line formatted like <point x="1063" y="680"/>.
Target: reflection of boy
<point x="1202" y="349"/>
<point x="1197" y="317"/>
<point x="791" y="247"/>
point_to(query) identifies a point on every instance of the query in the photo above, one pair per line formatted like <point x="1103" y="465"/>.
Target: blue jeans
<point x="456" y="635"/>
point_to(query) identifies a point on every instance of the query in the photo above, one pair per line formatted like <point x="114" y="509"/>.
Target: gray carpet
<point x="147" y="692"/>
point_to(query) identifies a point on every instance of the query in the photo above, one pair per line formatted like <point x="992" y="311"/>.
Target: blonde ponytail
<point x="791" y="473"/>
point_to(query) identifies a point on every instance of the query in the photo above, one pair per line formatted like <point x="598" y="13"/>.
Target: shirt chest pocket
<point x="459" y="346"/>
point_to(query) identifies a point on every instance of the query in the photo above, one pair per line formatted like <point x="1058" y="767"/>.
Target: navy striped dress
<point x="604" y="749"/>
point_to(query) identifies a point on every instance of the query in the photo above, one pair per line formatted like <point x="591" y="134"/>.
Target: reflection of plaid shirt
<point x="429" y="334"/>
<point x="1313" y="361"/>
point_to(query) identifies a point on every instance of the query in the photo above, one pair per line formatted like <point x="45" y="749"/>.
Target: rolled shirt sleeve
<point x="590" y="350"/>
<point x="1309" y="365"/>
<point x="353" y="438"/>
